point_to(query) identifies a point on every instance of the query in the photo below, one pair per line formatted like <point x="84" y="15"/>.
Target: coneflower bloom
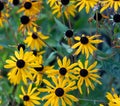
<point x="87" y="4"/>
<point x="85" y="44"/>
<point x="27" y="23"/>
<point x="21" y="67"/>
<point x="31" y="97"/>
<point x="30" y="8"/>
<point x="115" y="4"/>
<point x="66" y="69"/>
<point x="65" y="7"/>
<point x="87" y="74"/>
<point x="35" y="39"/>
<point x="59" y="92"/>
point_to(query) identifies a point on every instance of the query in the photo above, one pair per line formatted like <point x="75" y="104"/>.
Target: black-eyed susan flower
<point x="27" y="23"/>
<point x="87" y="4"/>
<point x="21" y="67"/>
<point x="21" y="45"/>
<point x="3" y="14"/>
<point x="30" y="8"/>
<point x="37" y="53"/>
<point x="14" y="2"/>
<point x="64" y="7"/>
<point x="87" y="74"/>
<point x="66" y="69"/>
<point x="110" y="3"/>
<point x="59" y="92"/>
<point x="51" y="2"/>
<point x="42" y="70"/>
<point x="35" y="39"/>
<point x="114" y="99"/>
<point x="3" y="18"/>
<point x="69" y="35"/>
<point x="85" y="44"/>
<point x="31" y="97"/>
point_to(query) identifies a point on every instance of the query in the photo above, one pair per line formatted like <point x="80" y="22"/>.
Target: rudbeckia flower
<point x="87" y="74"/>
<point x="87" y="4"/>
<point x="85" y="44"/>
<point x="114" y="99"/>
<point x="66" y="69"/>
<point x="31" y="97"/>
<point x="21" y="67"/>
<point x="59" y="92"/>
<point x="30" y="8"/>
<point x="110" y="3"/>
<point x="64" y="7"/>
<point x="27" y="23"/>
<point x="3" y="14"/>
<point x="42" y="70"/>
<point x="14" y="2"/>
<point x="35" y="39"/>
<point x="69" y="34"/>
<point x="51" y="2"/>
<point x="37" y="53"/>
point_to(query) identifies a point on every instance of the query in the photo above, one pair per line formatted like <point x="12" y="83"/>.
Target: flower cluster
<point x="77" y="72"/>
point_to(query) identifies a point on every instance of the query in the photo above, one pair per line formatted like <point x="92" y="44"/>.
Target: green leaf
<point x="60" y="26"/>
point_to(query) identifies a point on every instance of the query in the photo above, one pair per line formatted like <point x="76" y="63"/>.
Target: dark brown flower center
<point x="62" y="71"/>
<point x="21" y="46"/>
<point x="34" y="36"/>
<point x="116" y="18"/>
<point x="1" y="6"/>
<point x="65" y="2"/>
<point x="59" y="92"/>
<point x="97" y="16"/>
<point x="69" y="33"/>
<point x="83" y="72"/>
<point x="25" y="20"/>
<point x="26" y="98"/>
<point x="39" y="68"/>
<point x="84" y="40"/>
<point x="28" y="5"/>
<point x="35" y="52"/>
<point x="16" y="2"/>
<point x="20" y="63"/>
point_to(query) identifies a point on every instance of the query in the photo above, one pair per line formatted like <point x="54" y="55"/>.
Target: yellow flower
<point x="114" y="99"/>
<point x="35" y="39"/>
<point x="31" y="98"/>
<point x="3" y="14"/>
<point x="66" y="69"/>
<point x="87" y="74"/>
<point x="27" y="23"/>
<point x="30" y="8"/>
<point x="59" y="92"/>
<point x="110" y="3"/>
<point x="14" y="2"/>
<point x="51" y="2"/>
<point x="42" y="70"/>
<point x="87" y="4"/>
<point x="64" y="8"/>
<point x="37" y="53"/>
<point x="21" y="67"/>
<point x="85" y="44"/>
<point x="3" y="18"/>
